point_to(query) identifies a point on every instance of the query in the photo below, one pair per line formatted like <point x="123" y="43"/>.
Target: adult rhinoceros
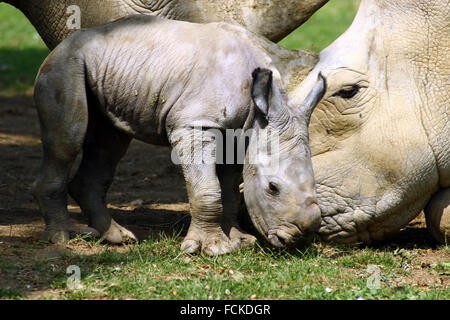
<point x="381" y="137"/>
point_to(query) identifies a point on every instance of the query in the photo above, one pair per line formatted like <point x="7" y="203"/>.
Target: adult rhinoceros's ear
<point x="261" y="87"/>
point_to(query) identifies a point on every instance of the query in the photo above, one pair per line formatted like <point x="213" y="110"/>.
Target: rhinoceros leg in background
<point x="230" y="178"/>
<point x="273" y="19"/>
<point x="437" y="214"/>
<point x="102" y="150"/>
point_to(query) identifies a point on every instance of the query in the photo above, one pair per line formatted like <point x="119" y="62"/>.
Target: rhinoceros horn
<point x="309" y="104"/>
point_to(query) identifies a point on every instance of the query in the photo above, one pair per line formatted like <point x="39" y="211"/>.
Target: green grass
<point x="22" y="50"/>
<point x="10" y="294"/>
<point x="156" y="269"/>
<point x="323" y="27"/>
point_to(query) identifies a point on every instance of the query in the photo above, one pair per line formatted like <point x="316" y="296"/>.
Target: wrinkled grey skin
<point x="380" y="138"/>
<point x="273" y="19"/>
<point x="159" y="81"/>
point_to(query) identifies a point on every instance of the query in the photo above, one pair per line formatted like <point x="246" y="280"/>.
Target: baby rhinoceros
<point x="168" y="83"/>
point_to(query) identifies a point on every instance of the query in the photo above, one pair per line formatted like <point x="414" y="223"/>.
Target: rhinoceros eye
<point x="273" y="188"/>
<point x="348" y="93"/>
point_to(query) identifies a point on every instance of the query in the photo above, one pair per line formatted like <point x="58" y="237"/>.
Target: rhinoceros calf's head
<point x="279" y="187"/>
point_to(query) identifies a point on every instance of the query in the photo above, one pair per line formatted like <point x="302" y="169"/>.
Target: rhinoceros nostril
<point x="310" y="200"/>
<point x="309" y="220"/>
<point x="276" y="241"/>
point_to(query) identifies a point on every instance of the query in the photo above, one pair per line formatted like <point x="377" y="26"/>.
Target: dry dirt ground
<point x="148" y="196"/>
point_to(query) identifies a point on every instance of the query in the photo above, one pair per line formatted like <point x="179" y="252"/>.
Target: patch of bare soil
<point x="148" y="197"/>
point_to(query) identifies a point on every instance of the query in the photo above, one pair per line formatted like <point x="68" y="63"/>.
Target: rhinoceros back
<point x="139" y="68"/>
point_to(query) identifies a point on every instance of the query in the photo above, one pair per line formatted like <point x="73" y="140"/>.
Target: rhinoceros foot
<point x="244" y="239"/>
<point x="237" y="235"/>
<point x="214" y="241"/>
<point x="60" y="234"/>
<point x="437" y="214"/>
<point x="118" y="234"/>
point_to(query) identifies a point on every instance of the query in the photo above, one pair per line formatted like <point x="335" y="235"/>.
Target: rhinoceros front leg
<point x="437" y="214"/>
<point x="104" y="146"/>
<point x="195" y="149"/>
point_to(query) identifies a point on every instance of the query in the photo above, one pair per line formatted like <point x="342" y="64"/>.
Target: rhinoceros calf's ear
<point x="261" y="87"/>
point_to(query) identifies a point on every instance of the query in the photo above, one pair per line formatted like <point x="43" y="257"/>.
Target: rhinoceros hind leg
<point x="60" y="99"/>
<point x="118" y="234"/>
<point x="103" y="148"/>
<point x="58" y="234"/>
<point x="437" y="214"/>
